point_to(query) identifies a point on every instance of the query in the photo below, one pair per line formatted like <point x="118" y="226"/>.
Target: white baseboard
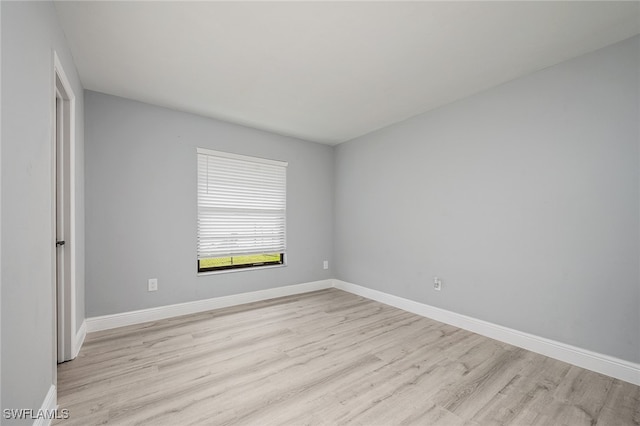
<point x="600" y="363"/>
<point x="78" y="340"/>
<point x="49" y="405"/>
<point x="107" y="322"/>
<point x="605" y="364"/>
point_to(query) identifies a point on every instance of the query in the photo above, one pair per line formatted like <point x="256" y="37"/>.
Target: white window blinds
<point x="241" y="205"/>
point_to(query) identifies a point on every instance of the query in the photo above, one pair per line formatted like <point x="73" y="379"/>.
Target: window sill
<point x="227" y="271"/>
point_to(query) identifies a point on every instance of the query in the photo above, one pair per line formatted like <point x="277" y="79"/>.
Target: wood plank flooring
<point x="326" y="358"/>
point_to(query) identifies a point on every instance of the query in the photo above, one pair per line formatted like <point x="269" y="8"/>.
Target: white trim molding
<point x="48" y="408"/>
<point x="78" y="340"/>
<point x="65" y="306"/>
<point x="107" y="322"/>
<point x="600" y="363"/>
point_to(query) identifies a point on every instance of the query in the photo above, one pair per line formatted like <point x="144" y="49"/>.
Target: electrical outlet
<point x="153" y="284"/>
<point x="325" y="264"/>
<point x="437" y="284"/>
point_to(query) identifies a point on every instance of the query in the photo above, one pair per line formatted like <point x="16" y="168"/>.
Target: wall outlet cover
<point x="153" y="284"/>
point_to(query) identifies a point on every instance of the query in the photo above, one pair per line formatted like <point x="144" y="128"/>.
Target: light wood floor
<point x="327" y="357"/>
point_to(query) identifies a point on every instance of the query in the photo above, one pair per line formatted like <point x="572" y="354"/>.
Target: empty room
<point x="320" y="213"/>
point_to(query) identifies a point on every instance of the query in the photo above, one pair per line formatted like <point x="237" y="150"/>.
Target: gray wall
<point x="524" y="199"/>
<point x="141" y="205"/>
<point x="1" y="406"/>
<point x="30" y="32"/>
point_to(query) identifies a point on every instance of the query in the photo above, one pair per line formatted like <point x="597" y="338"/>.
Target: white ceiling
<point x="326" y="72"/>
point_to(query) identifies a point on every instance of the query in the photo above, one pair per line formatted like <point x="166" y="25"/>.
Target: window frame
<point x="282" y="261"/>
<point x="227" y="268"/>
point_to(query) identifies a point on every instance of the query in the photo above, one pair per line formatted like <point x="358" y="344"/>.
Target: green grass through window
<point x="238" y="261"/>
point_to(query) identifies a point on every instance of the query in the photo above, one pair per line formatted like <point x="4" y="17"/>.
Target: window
<point x="241" y="211"/>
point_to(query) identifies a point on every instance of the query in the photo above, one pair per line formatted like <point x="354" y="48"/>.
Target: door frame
<point x="64" y="293"/>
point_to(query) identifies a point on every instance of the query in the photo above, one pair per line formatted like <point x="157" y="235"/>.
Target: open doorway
<point x="63" y="220"/>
